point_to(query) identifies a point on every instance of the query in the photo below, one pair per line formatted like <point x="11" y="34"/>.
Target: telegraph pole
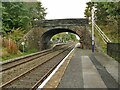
<point x="93" y="43"/>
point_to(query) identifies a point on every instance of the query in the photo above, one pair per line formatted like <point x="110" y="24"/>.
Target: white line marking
<point x="54" y="71"/>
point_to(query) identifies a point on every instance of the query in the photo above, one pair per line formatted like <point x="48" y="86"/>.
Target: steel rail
<point x="7" y="83"/>
<point x="30" y="58"/>
<point x="22" y="57"/>
<point x="22" y="62"/>
<point x="45" y="76"/>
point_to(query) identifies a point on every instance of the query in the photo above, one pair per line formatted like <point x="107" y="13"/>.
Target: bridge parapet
<point x="61" y="22"/>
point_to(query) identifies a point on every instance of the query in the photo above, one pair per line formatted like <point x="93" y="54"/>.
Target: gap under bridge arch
<point x="45" y="38"/>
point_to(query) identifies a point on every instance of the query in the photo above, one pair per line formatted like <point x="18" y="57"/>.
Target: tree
<point x="20" y="15"/>
<point x="104" y="11"/>
<point x="64" y="37"/>
<point x="36" y="10"/>
<point x="88" y="9"/>
<point x="107" y="16"/>
<point x="14" y="16"/>
<point x="100" y="13"/>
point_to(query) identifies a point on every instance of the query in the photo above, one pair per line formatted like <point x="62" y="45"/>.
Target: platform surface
<point x="88" y="70"/>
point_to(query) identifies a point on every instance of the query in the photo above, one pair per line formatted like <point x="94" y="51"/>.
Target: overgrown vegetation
<point x="20" y="15"/>
<point x="10" y="56"/>
<point x="107" y="17"/>
<point x="17" y="18"/>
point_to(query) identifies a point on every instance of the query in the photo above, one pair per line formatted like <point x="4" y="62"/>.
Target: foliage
<point x="63" y="37"/>
<point x="88" y="9"/>
<point x="104" y="11"/>
<point x="15" y="34"/>
<point x="20" y="15"/>
<point x="10" y="49"/>
<point x="19" y="54"/>
<point x="17" y="18"/>
<point x="107" y="17"/>
<point x="10" y="45"/>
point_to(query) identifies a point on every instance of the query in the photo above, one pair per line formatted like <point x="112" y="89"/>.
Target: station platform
<point x="85" y="69"/>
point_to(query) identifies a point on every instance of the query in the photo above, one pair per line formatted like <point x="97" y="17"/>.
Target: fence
<point x="113" y="50"/>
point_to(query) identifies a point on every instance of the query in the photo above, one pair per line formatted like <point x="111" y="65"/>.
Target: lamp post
<point x="93" y="46"/>
<point x="23" y="46"/>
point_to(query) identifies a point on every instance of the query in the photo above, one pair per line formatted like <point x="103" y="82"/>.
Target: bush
<point x="10" y="45"/>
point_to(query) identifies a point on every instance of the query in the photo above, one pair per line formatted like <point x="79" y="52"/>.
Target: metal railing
<point x="113" y="49"/>
<point x="102" y="34"/>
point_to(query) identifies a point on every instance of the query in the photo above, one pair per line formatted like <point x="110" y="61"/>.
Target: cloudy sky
<point x="58" y="9"/>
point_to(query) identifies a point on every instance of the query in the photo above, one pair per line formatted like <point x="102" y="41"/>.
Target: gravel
<point x="10" y="74"/>
<point x="31" y="78"/>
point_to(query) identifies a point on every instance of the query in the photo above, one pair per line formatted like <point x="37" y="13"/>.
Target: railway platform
<point x="86" y="70"/>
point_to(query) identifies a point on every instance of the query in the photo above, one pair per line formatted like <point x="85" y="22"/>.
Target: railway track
<point x="9" y="65"/>
<point x="23" y="66"/>
<point x="35" y="75"/>
<point x="19" y="61"/>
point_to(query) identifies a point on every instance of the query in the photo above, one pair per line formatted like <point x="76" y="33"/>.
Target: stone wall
<point x="61" y="22"/>
<point x="34" y="38"/>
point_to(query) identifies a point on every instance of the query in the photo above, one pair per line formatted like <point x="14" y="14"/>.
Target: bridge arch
<point x="45" y="38"/>
<point x="41" y="33"/>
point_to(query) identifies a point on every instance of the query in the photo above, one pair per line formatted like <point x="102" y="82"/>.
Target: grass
<point x="11" y="56"/>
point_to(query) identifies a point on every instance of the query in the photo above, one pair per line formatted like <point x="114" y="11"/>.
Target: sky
<point x="61" y="9"/>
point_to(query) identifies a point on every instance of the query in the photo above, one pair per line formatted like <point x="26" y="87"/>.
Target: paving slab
<point x="85" y="71"/>
<point x="73" y="77"/>
<point x="91" y="76"/>
<point x="111" y="65"/>
<point x="105" y="73"/>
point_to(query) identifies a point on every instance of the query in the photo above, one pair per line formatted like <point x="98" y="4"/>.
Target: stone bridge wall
<point x="42" y="32"/>
<point x="61" y="22"/>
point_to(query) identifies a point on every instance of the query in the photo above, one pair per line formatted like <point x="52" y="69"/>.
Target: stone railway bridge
<point x="39" y="37"/>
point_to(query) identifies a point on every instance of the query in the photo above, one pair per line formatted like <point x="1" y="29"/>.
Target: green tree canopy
<point x="64" y="37"/>
<point x="107" y="17"/>
<point x="20" y="15"/>
<point x="104" y="11"/>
